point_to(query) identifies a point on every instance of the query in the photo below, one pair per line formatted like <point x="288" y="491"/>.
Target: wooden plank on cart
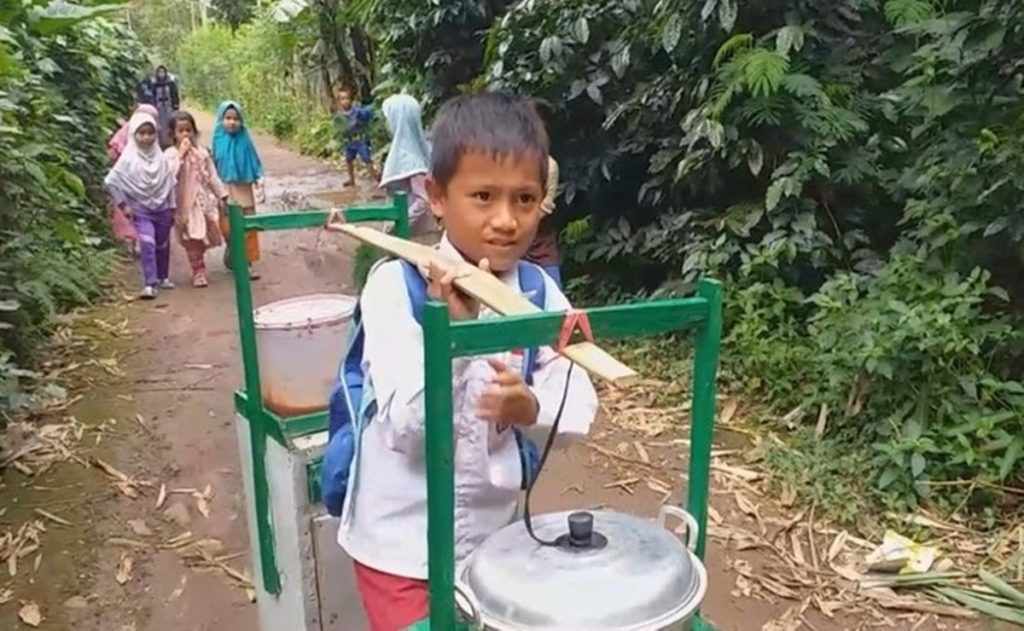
<point x="491" y="292"/>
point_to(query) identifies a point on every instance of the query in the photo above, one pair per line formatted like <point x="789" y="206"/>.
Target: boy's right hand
<point x="441" y="277"/>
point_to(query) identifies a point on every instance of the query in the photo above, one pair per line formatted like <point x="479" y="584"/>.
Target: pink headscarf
<point x="117" y="142"/>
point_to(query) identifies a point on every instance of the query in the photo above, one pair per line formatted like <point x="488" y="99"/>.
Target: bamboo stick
<point x="491" y="292"/>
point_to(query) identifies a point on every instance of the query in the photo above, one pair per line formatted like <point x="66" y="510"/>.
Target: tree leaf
<point x="581" y="30"/>
<point x="707" y="9"/>
<point x="727" y="13"/>
<point x="671" y="33"/>
<point x="620" y="62"/>
<point x="774" y="194"/>
<point x="789" y="38"/>
<point x="594" y="92"/>
<point x="755" y="158"/>
<point x="887" y="478"/>
<point x="287" y="10"/>
<point x="997" y="226"/>
<point x="1010" y="458"/>
<point x="917" y="465"/>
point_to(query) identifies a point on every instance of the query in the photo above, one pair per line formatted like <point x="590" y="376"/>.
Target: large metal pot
<point x="609" y="571"/>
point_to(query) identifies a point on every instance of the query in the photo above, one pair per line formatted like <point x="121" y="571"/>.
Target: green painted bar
<point x="702" y="429"/>
<point x="490" y="336"/>
<point x="294" y="220"/>
<point x="280" y="428"/>
<point x="299" y="219"/>
<point x="270" y="425"/>
<point x="440" y="453"/>
<point x="313" y="469"/>
<point x="255" y="412"/>
<point x="295" y="426"/>
<point x="700" y="624"/>
<point x="402" y="228"/>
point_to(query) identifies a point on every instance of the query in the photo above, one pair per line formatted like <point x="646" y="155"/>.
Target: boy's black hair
<point x="495" y="123"/>
<point x="182" y="115"/>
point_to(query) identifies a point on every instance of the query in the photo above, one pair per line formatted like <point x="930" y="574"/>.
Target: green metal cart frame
<point x="445" y="340"/>
<point x="264" y="423"/>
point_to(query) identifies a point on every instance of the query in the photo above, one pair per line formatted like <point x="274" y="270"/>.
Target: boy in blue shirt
<point x="352" y="123"/>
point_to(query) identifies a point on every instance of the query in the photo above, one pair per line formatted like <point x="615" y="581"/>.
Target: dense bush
<point x="849" y="170"/>
<point x="66" y="76"/>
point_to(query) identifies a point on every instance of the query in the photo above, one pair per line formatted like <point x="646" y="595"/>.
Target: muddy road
<point x="157" y="380"/>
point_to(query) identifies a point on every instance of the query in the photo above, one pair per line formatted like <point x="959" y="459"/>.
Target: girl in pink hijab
<point x="119" y="224"/>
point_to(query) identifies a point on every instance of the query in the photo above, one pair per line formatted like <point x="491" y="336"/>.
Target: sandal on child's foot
<point x="199" y="280"/>
<point x="166" y="283"/>
<point x="148" y="293"/>
<point x="349" y="184"/>
<point x="253" y="274"/>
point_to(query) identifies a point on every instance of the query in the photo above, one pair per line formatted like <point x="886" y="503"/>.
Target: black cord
<point x="543" y="459"/>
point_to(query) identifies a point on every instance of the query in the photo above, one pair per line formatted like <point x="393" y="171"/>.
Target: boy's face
<point x="145" y="136"/>
<point x="491" y="206"/>
<point x="344" y="100"/>
<point x="232" y="122"/>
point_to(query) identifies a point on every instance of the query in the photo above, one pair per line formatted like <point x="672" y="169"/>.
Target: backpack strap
<point x="532" y="283"/>
<point x="416" y="285"/>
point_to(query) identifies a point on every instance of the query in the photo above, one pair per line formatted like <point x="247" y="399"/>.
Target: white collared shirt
<point x="384" y="521"/>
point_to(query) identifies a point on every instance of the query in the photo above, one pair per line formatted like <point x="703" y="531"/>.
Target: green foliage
<point x="66" y="76"/>
<point x="851" y="171"/>
<point x="253" y="65"/>
<point x="234" y="12"/>
<point x="161" y="26"/>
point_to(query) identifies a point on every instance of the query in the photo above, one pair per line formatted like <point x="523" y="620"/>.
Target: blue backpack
<point x="352" y="404"/>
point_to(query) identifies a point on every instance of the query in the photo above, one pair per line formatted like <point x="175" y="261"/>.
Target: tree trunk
<point x="325" y="77"/>
<point x="364" y="62"/>
<point x="327" y="12"/>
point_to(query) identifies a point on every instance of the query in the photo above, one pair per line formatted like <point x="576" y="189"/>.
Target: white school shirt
<point x="384" y="520"/>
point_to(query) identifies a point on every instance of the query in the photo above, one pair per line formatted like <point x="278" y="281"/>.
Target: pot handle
<point x="468" y="604"/>
<point x="691" y="524"/>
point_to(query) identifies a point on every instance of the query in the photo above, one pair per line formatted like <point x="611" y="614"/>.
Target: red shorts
<point x="392" y="603"/>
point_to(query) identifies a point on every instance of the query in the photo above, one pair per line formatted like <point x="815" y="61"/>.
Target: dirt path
<point x="180" y="364"/>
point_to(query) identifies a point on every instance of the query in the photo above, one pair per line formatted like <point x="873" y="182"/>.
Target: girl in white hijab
<point x="141" y="185"/>
<point x="408" y="161"/>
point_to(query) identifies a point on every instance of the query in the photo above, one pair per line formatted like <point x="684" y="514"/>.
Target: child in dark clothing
<point x="352" y="123"/>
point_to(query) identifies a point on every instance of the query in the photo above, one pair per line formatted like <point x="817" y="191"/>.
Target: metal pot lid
<point x="610" y="571"/>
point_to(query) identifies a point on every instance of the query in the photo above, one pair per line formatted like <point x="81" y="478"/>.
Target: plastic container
<point x="301" y="341"/>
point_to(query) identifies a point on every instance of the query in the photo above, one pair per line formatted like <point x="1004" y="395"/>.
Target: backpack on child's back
<point x="352" y="404"/>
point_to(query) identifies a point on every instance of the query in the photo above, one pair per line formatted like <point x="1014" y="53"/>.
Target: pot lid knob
<point x="581" y="529"/>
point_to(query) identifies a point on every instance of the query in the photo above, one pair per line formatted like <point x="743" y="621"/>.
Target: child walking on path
<point x="141" y="185"/>
<point x="239" y="167"/>
<point x="408" y="161"/>
<point x="487" y="182"/>
<point x="352" y="123"/>
<point x="200" y="195"/>
<point x="121" y="226"/>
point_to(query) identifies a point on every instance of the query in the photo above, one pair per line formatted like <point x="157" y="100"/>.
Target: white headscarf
<point x="143" y="175"/>
<point x="410" y="152"/>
